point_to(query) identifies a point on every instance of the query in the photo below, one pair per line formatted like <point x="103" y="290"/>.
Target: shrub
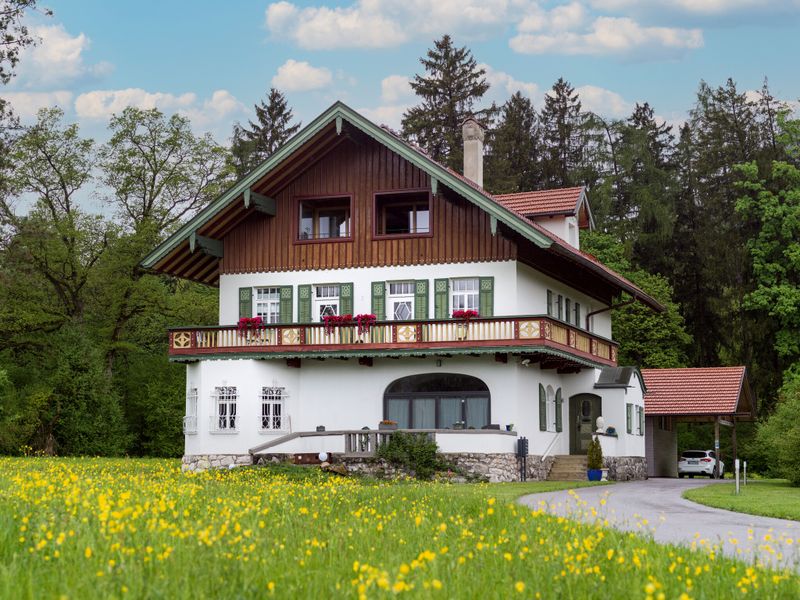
<point x="780" y="433"/>
<point x="413" y="452"/>
<point x="594" y="460"/>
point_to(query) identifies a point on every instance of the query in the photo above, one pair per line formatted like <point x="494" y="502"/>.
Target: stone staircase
<point x="568" y="468"/>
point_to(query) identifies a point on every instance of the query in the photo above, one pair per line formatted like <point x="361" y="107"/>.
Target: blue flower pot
<point x="594" y="474"/>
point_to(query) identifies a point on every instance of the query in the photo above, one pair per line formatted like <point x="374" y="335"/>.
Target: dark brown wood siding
<point x="461" y="231"/>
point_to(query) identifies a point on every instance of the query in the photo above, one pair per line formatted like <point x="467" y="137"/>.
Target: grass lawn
<point x="105" y="528"/>
<point x="769" y="498"/>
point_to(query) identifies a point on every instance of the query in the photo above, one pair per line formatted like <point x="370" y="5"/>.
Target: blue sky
<point x="213" y="60"/>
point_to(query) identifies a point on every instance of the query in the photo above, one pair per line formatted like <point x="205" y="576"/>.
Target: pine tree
<point x="513" y="155"/>
<point x="255" y="143"/>
<point x="561" y="124"/>
<point x="449" y="89"/>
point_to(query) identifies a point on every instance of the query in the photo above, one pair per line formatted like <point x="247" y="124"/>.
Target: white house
<point x="348" y="219"/>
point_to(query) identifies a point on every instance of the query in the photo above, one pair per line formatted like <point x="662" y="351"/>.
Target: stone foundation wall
<point x="625" y="468"/>
<point x="202" y="462"/>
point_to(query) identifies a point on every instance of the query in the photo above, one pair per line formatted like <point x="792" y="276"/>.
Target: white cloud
<point x="561" y="18"/>
<point x="27" y="104"/>
<point x="390" y="114"/>
<point x="614" y="36"/>
<point x="698" y="7"/>
<point x="395" y="87"/>
<point x="604" y="102"/>
<point x="502" y="85"/>
<point x="57" y="60"/>
<point x="387" y="23"/>
<point x="300" y="76"/>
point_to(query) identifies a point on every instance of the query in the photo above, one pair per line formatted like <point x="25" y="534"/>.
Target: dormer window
<point x="324" y="218"/>
<point x="403" y="213"/>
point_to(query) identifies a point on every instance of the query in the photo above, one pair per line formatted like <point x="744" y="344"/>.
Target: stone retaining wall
<point x="202" y="462"/>
<point x="625" y="468"/>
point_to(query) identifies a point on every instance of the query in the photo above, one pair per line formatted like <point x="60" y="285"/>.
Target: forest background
<point x="704" y="215"/>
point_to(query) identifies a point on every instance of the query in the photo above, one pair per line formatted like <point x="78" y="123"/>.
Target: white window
<point x="551" y="409"/>
<point x="401" y="301"/>
<point x="326" y="300"/>
<point x="268" y="304"/>
<point x="224" y="418"/>
<point x="190" y="420"/>
<point x="272" y="408"/>
<point x="464" y="294"/>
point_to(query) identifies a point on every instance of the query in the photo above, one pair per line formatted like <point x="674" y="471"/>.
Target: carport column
<point x="716" y="445"/>
<point x="733" y="435"/>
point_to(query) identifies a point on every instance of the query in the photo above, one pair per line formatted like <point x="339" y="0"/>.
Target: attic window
<point x="324" y="218"/>
<point x="403" y="213"/>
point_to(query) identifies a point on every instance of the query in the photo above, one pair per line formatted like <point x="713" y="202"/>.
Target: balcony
<point x="540" y="338"/>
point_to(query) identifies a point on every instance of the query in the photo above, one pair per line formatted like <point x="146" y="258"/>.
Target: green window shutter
<point x="549" y="303"/>
<point x="567" y="310"/>
<point x="304" y="304"/>
<point x="486" y="296"/>
<point x="421" y="300"/>
<point x="286" y="304"/>
<point x="440" y="300"/>
<point x="577" y="314"/>
<point x="245" y="302"/>
<point x="629" y="417"/>
<point x="345" y="298"/>
<point x="558" y="409"/>
<point x="542" y="408"/>
<point x="379" y="300"/>
<point x="641" y="419"/>
<point x="560" y="312"/>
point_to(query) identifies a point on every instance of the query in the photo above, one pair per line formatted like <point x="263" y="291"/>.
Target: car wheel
<point x="680" y="475"/>
<point x="691" y="476"/>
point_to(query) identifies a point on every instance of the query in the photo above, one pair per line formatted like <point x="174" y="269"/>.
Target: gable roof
<point x="699" y="391"/>
<point x="561" y="201"/>
<point x="618" y="377"/>
<point x="178" y="247"/>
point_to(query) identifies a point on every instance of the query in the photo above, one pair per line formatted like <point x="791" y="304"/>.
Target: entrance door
<point x="583" y="412"/>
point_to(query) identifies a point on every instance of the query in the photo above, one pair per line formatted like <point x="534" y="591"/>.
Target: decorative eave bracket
<point x="205" y="245"/>
<point x="263" y="204"/>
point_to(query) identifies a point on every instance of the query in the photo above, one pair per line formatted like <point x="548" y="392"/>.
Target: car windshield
<point x="694" y="454"/>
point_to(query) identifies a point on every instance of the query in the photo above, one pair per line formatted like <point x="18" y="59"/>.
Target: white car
<point x="699" y="462"/>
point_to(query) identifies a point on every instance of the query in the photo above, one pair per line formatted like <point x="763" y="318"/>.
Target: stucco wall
<point x="344" y="395"/>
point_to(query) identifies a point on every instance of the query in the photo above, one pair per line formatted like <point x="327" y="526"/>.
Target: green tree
<point x="780" y="433"/>
<point x="562" y="123"/>
<point x="647" y="339"/>
<point x="512" y="164"/>
<point x="449" y="90"/>
<point x="14" y="34"/>
<point x="255" y="143"/>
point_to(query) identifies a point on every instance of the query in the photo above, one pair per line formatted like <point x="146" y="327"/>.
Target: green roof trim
<point x="335" y="114"/>
<point x="386" y="354"/>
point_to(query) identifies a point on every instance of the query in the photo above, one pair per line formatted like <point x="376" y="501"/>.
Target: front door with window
<point x="583" y="412"/>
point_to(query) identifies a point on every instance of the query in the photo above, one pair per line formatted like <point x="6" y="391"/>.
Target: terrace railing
<point x="491" y="333"/>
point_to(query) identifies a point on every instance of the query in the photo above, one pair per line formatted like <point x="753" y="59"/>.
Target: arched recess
<point x="437" y="401"/>
<point x="583" y="412"/>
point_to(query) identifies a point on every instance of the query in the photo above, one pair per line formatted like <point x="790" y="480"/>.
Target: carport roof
<point x="701" y="391"/>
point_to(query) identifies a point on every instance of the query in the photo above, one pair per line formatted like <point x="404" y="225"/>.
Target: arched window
<point x="551" y="409"/>
<point x="437" y="401"/>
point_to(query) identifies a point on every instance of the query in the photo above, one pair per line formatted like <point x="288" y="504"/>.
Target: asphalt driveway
<point x="655" y="506"/>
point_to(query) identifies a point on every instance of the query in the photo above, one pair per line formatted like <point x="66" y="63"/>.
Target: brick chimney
<point x="473" y="150"/>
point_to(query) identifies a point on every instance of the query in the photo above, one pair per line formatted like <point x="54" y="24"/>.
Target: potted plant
<point x="594" y="460"/>
<point x="387" y="425"/>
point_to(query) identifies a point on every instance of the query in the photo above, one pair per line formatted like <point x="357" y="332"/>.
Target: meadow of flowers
<point x="84" y="528"/>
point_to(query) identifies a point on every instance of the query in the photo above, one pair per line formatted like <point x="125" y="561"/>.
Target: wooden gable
<point x="359" y="168"/>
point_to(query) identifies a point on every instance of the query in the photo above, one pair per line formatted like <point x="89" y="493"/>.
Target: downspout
<point x="602" y="310"/>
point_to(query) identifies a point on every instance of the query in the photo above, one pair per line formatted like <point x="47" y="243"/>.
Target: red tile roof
<point x="703" y="391"/>
<point x="563" y="201"/>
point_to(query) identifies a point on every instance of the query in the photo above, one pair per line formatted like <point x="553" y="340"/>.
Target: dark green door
<point x="583" y="412"/>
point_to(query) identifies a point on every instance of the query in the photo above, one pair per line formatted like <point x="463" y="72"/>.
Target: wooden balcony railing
<point x="500" y="334"/>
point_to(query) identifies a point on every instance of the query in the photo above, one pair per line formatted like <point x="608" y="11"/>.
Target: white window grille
<point x="326" y="300"/>
<point x="464" y="294"/>
<point x="190" y="419"/>
<point x="401" y="300"/>
<point x="224" y="417"/>
<point x="273" y="416"/>
<point x="268" y="304"/>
